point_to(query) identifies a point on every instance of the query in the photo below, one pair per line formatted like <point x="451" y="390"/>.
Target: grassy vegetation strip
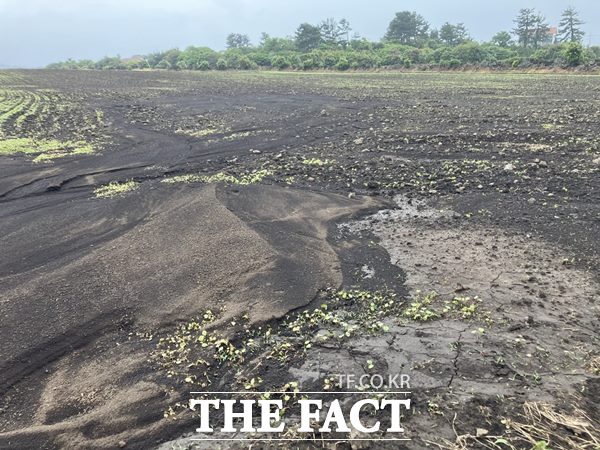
<point x="220" y="177"/>
<point x="115" y="189"/>
<point x="46" y="150"/>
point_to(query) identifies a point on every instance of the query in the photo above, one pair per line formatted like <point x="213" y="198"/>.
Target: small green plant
<point x="549" y="126"/>
<point x="466" y="307"/>
<point x="114" y="189"/>
<point x="330" y="383"/>
<point x="434" y="409"/>
<point x="419" y="308"/>
<point x="315" y="162"/>
<point x="99" y="117"/>
<point x="253" y="383"/>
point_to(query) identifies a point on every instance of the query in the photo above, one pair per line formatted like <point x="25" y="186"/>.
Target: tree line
<point x="409" y="40"/>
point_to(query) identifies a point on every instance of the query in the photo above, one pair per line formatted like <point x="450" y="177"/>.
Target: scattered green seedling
<point x="115" y="189"/>
<point x="99" y="117"/>
<point x="46" y="150"/>
<point x="466" y="307"/>
<point x="221" y="177"/>
<point x="316" y="162"/>
<point x="419" y="309"/>
<point x="550" y="126"/>
<point x="434" y="409"/>
<point x="201" y="133"/>
<point x="330" y="383"/>
<point x="253" y="384"/>
<point x="194" y="352"/>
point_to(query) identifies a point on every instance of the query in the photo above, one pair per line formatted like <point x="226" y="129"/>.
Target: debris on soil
<point x="269" y="231"/>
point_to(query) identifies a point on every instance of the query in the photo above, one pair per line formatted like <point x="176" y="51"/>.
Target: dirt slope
<point x="92" y="271"/>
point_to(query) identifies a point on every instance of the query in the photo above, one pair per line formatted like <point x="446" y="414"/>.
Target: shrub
<point x="295" y="61"/>
<point x="573" y="54"/>
<point x="244" y="63"/>
<point x="221" y="64"/>
<point x="450" y="63"/>
<point x="203" y="65"/>
<point x="592" y="54"/>
<point x="342" y="64"/>
<point x="191" y="57"/>
<point x="262" y="59"/>
<point x="469" y="53"/>
<point x="308" y="62"/>
<point x="164" y="64"/>
<point x="547" y="55"/>
<point x="442" y="54"/>
<point x="395" y="54"/>
<point x="329" y="60"/>
<point x="280" y="62"/>
<point x="427" y="55"/>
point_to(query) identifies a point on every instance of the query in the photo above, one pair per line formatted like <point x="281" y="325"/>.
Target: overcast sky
<point x="34" y="33"/>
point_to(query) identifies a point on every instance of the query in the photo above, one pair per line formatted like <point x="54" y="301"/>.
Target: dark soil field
<point x="166" y="232"/>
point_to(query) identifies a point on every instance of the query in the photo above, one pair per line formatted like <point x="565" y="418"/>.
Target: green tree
<point x="407" y="28"/>
<point x="245" y="63"/>
<point x="344" y="30"/>
<point x="541" y="33"/>
<point x="453" y="34"/>
<point x="359" y="43"/>
<point x="107" y="63"/>
<point x="154" y="58"/>
<point x="335" y="33"/>
<point x="469" y="53"/>
<point x="261" y="58"/>
<point x="502" y="39"/>
<point x="569" y="26"/>
<point x="236" y="40"/>
<point x="277" y="44"/>
<point x="525" y="26"/>
<point x="169" y="59"/>
<point x="308" y="37"/>
<point x="192" y="57"/>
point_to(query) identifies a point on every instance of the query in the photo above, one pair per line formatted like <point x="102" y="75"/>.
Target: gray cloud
<point x="37" y="32"/>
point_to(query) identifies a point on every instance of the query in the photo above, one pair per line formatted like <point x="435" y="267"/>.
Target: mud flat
<point x="172" y="232"/>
